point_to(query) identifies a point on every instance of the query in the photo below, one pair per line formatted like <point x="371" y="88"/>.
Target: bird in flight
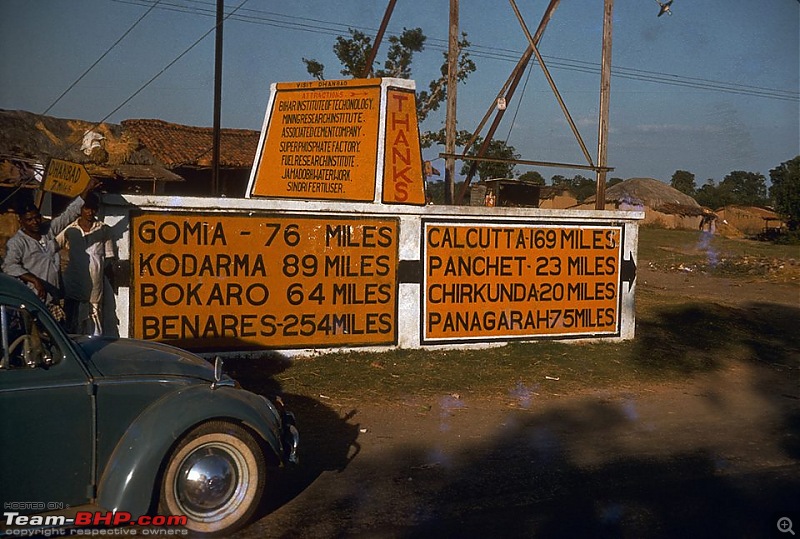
<point x="664" y="7"/>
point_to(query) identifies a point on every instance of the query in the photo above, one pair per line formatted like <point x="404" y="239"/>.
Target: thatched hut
<point x="28" y="141"/>
<point x="556" y="197"/>
<point x="105" y="150"/>
<point x="662" y="204"/>
<point x="752" y="220"/>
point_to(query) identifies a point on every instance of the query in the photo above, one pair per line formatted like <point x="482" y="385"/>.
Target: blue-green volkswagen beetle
<point x="129" y="426"/>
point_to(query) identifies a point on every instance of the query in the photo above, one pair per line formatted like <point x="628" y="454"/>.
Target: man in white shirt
<point x="90" y="248"/>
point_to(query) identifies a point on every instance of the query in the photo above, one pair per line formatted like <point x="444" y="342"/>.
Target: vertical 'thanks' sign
<point x="402" y="168"/>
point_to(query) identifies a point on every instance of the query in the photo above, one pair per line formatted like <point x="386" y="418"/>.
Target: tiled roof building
<point x="178" y="145"/>
<point x="187" y="150"/>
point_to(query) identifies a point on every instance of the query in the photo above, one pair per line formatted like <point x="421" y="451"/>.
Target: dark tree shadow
<point x="531" y="480"/>
<point x="691" y="336"/>
<point x="698" y="337"/>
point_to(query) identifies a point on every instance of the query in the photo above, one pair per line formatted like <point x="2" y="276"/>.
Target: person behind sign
<point x="32" y="253"/>
<point x="90" y="249"/>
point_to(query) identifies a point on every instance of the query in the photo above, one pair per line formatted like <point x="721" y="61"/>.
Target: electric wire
<point x="519" y="103"/>
<point x="108" y="50"/>
<point x="80" y="78"/>
<point x="479" y="51"/>
<point x="163" y="70"/>
<point x="169" y="65"/>
<point x="141" y="88"/>
<point x="332" y="28"/>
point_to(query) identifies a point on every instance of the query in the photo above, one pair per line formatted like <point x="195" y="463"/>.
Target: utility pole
<point x="605" y="93"/>
<point x="450" y="120"/>
<point x="215" y="184"/>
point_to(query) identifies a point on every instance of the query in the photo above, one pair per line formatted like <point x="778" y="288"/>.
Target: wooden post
<point x="215" y="183"/>
<point x="508" y="92"/>
<point x="450" y="121"/>
<point x="378" y="38"/>
<point x="605" y="93"/>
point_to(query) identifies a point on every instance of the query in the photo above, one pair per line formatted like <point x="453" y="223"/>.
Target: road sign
<point x="509" y="280"/>
<point x="342" y="140"/>
<point x="65" y="178"/>
<point x="264" y="280"/>
<point x="322" y="141"/>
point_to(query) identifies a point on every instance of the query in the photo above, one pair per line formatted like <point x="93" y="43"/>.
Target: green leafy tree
<point x="745" y="188"/>
<point x="401" y="53"/>
<point x="785" y="191"/>
<point x="709" y="196"/>
<point x="354" y="50"/>
<point x="487" y="170"/>
<point x="435" y="191"/>
<point x="431" y="99"/>
<point x="315" y="69"/>
<point x="683" y="181"/>
<point x="533" y="176"/>
<point x="583" y="187"/>
<point x="429" y="138"/>
<point x="580" y="186"/>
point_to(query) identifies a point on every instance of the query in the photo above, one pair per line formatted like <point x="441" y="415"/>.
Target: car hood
<point x="125" y="357"/>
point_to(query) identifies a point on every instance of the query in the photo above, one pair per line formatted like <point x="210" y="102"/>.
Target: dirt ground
<point x="716" y="454"/>
<point x="724" y="290"/>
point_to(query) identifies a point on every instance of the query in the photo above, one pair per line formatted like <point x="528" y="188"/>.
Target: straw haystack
<point x="662" y="204"/>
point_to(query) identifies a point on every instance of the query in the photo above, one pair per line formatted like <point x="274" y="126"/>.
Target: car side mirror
<point x="218" y="380"/>
<point x="217" y="369"/>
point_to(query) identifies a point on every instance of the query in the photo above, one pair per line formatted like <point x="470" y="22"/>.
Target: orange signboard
<point x="321" y="141"/>
<point x="269" y="281"/>
<point x="511" y="280"/>
<point x="402" y="168"/>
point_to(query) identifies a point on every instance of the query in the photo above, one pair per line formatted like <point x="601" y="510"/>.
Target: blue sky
<point x="711" y="89"/>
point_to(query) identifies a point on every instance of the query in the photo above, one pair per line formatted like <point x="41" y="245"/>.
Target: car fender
<point x="128" y="479"/>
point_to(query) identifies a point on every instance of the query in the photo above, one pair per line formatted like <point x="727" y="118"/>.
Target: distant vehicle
<point x="664" y="7"/>
<point x="128" y="426"/>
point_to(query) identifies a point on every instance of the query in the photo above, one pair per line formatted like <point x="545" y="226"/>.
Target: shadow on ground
<point x="697" y="336"/>
<point x="534" y="480"/>
<point x="566" y="471"/>
<point x="328" y="440"/>
<point x="703" y="336"/>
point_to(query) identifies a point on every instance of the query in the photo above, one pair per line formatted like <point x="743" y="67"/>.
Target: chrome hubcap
<point x="207" y="479"/>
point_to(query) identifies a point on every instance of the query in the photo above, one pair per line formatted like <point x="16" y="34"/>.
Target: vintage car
<point x="128" y="426"/>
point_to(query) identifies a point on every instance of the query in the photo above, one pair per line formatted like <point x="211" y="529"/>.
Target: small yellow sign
<point x="65" y="178"/>
<point x="321" y="142"/>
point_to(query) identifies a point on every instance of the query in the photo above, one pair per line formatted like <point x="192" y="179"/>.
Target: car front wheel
<point x="215" y="476"/>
